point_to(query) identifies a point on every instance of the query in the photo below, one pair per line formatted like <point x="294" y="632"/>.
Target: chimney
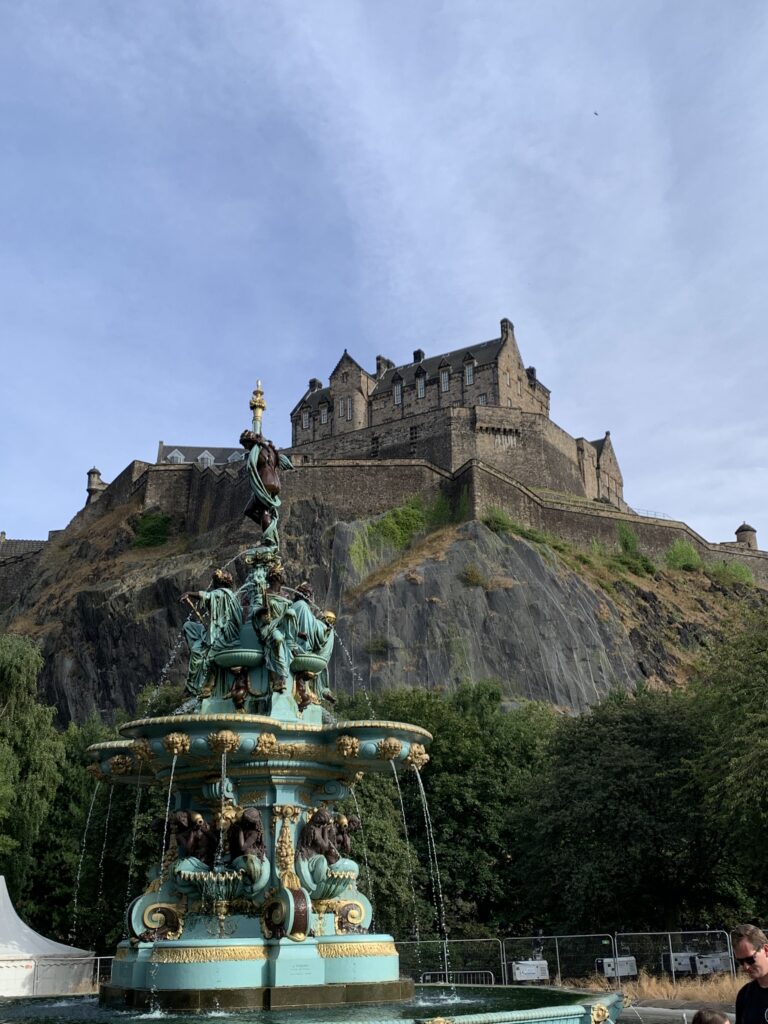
<point x="314" y="384"/>
<point x="507" y="329"/>
<point x="418" y="355"/>
<point x="382" y="365"/>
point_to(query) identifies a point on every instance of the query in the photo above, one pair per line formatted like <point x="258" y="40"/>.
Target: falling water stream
<point x="132" y="854"/>
<point x="435" y="875"/>
<point x="220" y="844"/>
<point x="73" y="929"/>
<point x="100" y="895"/>
<point x="416" y="932"/>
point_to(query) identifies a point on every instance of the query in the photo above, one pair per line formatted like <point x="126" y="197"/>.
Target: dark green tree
<point x="31" y="753"/>
<point x="617" y="838"/>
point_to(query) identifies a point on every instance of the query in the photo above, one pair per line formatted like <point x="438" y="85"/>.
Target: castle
<point x="478" y="402"/>
<point x="471" y="424"/>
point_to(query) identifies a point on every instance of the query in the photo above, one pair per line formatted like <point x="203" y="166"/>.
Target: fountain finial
<point x="257" y="406"/>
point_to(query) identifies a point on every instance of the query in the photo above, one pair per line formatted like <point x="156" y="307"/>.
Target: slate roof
<point x="484" y="353"/>
<point x="221" y="456"/>
<point x="11" y="548"/>
<point x="313" y="400"/>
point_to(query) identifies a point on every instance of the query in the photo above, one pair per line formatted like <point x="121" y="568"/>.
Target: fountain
<point x="255" y="903"/>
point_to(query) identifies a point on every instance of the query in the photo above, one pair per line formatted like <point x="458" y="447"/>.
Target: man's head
<point x="750" y="950"/>
<point x="222" y="578"/>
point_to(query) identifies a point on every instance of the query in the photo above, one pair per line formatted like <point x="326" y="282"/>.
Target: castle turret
<point x="747" y="535"/>
<point x="95" y="485"/>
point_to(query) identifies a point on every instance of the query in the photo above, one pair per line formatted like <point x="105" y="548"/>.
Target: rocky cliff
<point x="459" y="603"/>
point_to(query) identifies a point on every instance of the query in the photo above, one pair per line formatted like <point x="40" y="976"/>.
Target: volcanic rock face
<point x="462" y="603"/>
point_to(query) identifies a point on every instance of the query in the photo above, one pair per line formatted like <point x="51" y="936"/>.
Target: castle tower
<point x="95" y="485"/>
<point x="747" y="535"/>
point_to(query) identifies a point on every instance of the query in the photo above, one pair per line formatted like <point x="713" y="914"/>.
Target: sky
<point x="197" y="194"/>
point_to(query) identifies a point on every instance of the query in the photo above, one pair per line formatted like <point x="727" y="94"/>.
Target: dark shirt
<point x="752" y="1004"/>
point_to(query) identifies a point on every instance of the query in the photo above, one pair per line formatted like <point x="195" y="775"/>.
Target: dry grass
<point x="718" y="988"/>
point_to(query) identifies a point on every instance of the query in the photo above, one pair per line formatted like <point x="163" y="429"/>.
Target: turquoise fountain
<point x="256" y="902"/>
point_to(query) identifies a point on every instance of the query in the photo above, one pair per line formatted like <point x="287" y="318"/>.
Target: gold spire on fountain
<point x="257" y="406"/>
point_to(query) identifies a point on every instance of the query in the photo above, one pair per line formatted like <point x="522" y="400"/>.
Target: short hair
<point x="708" y="1015"/>
<point x="754" y="935"/>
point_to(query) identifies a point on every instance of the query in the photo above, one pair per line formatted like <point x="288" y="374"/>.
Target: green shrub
<point x="152" y="530"/>
<point x="496" y="519"/>
<point x="471" y="576"/>
<point x="728" y="573"/>
<point x="630" y="556"/>
<point x="683" y="555"/>
<point x="377" y="647"/>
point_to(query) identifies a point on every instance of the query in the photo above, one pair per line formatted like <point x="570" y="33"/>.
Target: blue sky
<point x="197" y="194"/>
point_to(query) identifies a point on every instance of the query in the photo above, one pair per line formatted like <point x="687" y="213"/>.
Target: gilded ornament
<point x="223" y="742"/>
<point x="285" y="857"/>
<point x="440" y="1020"/>
<point x="348" y="746"/>
<point x="164" y="915"/>
<point x="120" y="764"/>
<point x="207" y="954"/>
<point x="389" y="748"/>
<point x="177" y="743"/>
<point x="599" y="1013"/>
<point x="267" y="745"/>
<point x="95" y="770"/>
<point x="417" y="757"/>
<point x="142" y="751"/>
<point x="334" y="950"/>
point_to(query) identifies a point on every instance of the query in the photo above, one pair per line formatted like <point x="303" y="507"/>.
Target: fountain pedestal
<point x="242" y="932"/>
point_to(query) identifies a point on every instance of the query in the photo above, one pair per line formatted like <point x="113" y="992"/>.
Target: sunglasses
<point x="746" y="961"/>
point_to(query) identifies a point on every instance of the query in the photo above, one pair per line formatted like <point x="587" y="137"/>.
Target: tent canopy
<point x="19" y="940"/>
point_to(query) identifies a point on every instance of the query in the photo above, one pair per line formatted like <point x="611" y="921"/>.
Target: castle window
<point x="340" y="409"/>
<point x="445" y="378"/>
<point x="344" y="377"/>
<point x="413" y="434"/>
<point x="519" y="389"/>
<point x="175" y="457"/>
<point x="469" y="373"/>
<point x="349" y="408"/>
<point x="236" y="457"/>
<point x="323" y="413"/>
<point x="305" y="419"/>
<point x="397" y="392"/>
<point x="509" y="382"/>
<point x="205" y="459"/>
<point x="421" y="386"/>
<point x="482" y="399"/>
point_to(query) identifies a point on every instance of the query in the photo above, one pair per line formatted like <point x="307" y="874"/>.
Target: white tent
<point x="31" y="965"/>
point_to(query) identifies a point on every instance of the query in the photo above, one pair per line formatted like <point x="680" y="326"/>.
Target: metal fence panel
<point x="684" y="954"/>
<point x="566" y="956"/>
<point x="455" y="956"/>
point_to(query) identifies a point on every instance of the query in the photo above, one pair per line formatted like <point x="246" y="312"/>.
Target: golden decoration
<point x="285" y="857"/>
<point x="142" y="751"/>
<point x="389" y="748"/>
<point x="440" y="1020"/>
<point x="267" y="745"/>
<point x="599" y="1013"/>
<point x="348" y="746"/>
<point x="286" y="812"/>
<point x="334" y="950"/>
<point x="330" y="618"/>
<point x="177" y="743"/>
<point x="223" y="742"/>
<point x="120" y="764"/>
<point x="417" y="757"/>
<point x="95" y="770"/>
<point x="207" y="954"/>
<point x="155" y="918"/>
<point x="121" y="953"/>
